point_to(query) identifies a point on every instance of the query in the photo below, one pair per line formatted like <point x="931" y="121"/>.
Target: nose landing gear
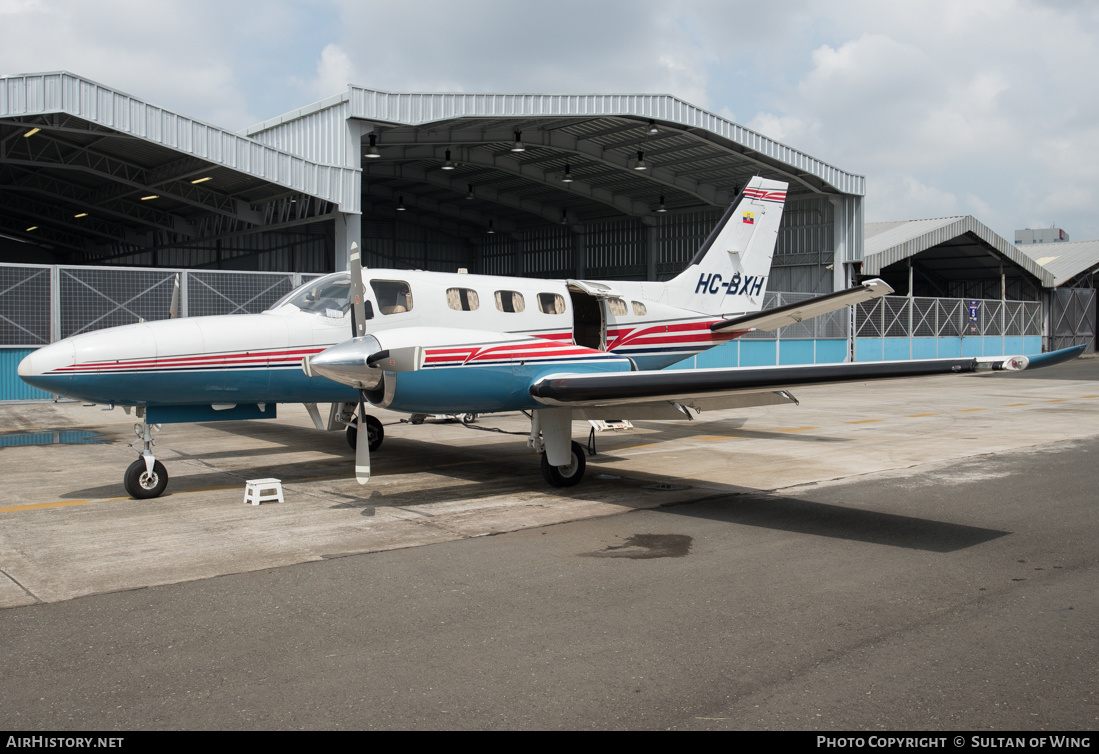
<point x="146" y="477"/>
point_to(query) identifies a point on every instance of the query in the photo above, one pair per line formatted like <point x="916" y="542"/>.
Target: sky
<point x="948" y="107"/>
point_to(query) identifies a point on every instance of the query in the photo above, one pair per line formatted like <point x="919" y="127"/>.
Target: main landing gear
<point x="570" y="474"/>
<point x="563" y="461"/>
<point x="146" y="477"/>
<point x="374" y="430"/>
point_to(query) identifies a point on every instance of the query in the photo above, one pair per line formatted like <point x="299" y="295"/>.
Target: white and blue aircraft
<point x="441" y="343"/>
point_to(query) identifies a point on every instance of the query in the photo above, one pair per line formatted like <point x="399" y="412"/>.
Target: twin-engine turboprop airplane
<point x="438" y="343"/>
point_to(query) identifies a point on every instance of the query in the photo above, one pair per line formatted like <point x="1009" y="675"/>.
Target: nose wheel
<point x="143" y="484"/>
<point x="146" y="477"/>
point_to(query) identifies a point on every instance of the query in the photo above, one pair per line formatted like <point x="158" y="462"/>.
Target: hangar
<point x="107" y="200"/>
<point x="1073" y="302"/>
<point x="595" y="185"/>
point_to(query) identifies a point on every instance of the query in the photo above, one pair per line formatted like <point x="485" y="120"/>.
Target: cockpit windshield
<point x="328" y="296"/>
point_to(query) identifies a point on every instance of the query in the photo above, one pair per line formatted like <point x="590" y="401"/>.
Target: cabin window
<point x="462" y="299"/>
<point x="551" y="303"/>
<point x="510" y="301"/>
<point x="393" y="296"/>
<point x="617" y="307"/>
<point x="639" y="309"/>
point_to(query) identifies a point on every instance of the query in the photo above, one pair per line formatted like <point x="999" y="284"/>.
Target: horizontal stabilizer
<point x="791" y="314"/>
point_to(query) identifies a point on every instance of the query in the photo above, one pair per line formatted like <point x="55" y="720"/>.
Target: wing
<point x="791" y="314"/>
<point x="668" y="394"/>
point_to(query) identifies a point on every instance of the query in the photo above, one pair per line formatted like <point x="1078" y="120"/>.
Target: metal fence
<point x="902" y="317"/>
<point x="40" y="304"/>
<point x="1072" y="318"/>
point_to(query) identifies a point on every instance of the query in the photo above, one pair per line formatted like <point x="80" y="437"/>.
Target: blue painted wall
<point x="11" y="387"/>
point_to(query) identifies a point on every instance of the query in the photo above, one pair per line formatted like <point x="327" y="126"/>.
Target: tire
<point x="374" y="429"/>
<point x="140" y="484"/>
<point x="566" y="476"/>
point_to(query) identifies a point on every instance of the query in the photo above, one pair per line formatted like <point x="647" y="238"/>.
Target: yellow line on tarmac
<point x="864" y="421"/>
<point x="797" y="429"/>
<point x="39" y="506"/>
<point x="966" y="410"/>
<point x="916" y="416"/>
<point x="1010" y="405"/>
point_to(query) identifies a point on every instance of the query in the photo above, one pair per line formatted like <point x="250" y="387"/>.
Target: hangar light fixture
<point x="491" y="230"/>
<point x="33" y="227"/>
<point x="448" y="165"/>
<point x="661" y="208"/>
<point x="564" y="217"/>
<point x="32" y="132"/>
<point x="372" y="151"/>
<point x="203" y="179"/>
<point x="150" y="196"/>
<point x="567" y="177"/>
<point x="640" y="161"/>
<point x="652" y="127"/>
<point x="400" y="203"/>
<point x="82" y="214"/>
<point x="518" y="145"/>
<point x="469" y="192"/>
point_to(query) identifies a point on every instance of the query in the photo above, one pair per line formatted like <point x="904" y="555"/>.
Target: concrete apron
<point x="67" y="528"/>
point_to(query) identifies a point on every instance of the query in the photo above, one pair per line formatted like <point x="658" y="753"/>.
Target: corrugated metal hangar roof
<point x="90" y="172"/>
<point x="1065" y="260"/>
<point x="957" y="247"/>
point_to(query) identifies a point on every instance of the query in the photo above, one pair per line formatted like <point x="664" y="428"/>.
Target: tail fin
<point x="729" y="273"/>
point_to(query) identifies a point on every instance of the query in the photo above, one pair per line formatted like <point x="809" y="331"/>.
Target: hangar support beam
<point x="436" y="178"/>
<point x="562" y="142"/>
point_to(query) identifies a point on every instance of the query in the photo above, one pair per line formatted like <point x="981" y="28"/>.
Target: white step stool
<point x="254" y="488"/>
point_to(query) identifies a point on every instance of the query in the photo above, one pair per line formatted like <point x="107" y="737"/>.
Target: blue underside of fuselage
<point x="259" y="385"/>
<point x="442" y="390"/>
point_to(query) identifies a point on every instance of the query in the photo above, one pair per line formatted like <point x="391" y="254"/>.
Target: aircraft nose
<point x="346" y="363"/>
<point x="47" y="368"/>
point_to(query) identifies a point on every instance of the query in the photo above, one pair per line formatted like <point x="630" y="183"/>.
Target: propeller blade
<point x="173" y="310"/>
<point x="362" y="446"/>
<point x="358" y="293"/>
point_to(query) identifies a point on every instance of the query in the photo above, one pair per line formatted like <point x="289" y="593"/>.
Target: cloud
<point x="334" y="72"/>
<point x="989" y="101"/>
<point x="504" y="46"/>
<point x="946" y="105"/>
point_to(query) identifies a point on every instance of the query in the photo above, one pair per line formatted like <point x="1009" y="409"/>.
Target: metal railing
<point x="40" y="304"/>
<point x="902" y="317"/>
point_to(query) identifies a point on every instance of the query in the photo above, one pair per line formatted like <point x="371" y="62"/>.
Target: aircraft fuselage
<point x="256" y="358"/>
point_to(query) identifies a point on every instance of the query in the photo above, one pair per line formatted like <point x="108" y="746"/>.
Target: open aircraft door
<point x="589" y="313"/>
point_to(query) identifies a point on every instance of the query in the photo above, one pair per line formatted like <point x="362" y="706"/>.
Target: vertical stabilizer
<point x="729" y="274"/>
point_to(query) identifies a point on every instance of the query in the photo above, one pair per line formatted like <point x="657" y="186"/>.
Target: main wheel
<point x="566" y="476"/>
<point x="143" y="485"/>
<point x="374" y="430"/>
